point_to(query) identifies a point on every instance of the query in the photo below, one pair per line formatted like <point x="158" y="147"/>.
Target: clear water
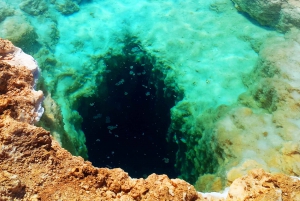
<point x="142" y="84"/>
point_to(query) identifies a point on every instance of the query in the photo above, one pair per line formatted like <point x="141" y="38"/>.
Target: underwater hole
<point x="127" y="121"/>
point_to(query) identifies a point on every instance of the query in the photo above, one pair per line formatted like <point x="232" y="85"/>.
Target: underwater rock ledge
<point x="33" y="166"/>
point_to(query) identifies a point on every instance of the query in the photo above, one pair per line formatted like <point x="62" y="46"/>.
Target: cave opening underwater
<point x="126" y="122"/>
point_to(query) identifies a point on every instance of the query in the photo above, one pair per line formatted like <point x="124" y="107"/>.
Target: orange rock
<point x="6" y="46"/>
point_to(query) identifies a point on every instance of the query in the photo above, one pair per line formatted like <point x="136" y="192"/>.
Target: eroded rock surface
<point x="282" y="14"/>
<point x="259" y="185"/>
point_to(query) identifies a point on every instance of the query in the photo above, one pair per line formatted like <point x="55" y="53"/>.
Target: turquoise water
<point x="191" y="60"/>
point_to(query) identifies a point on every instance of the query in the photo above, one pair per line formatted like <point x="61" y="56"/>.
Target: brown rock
<point x="261" y="186"/>
<point x="6" y="49"/>
<point x="6" y="46"/>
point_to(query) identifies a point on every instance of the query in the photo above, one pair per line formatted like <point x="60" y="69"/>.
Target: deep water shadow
<point x="127" y="121"/>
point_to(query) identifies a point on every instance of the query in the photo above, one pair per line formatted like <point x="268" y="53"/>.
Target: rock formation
<point x="280" y="14"/>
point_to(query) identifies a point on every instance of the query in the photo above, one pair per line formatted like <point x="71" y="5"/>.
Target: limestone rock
<point x="259" y="185"/>
<point x="264" y="11"/>
<point x="5" y="11"/>
<point x="33" y="7"/>
<point x="66" y="7"/>
<point x="20" y="32"/>
<point x="281" y="14"/>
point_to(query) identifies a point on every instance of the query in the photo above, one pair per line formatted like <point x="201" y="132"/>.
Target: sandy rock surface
<point x="33" y="166"/>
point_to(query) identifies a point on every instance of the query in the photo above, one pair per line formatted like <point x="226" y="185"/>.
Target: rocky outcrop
<point x="26" y="35"/>
<point x="67" y="7"/>
<point x="5" y="11"/>
<point x="33" y="7"/>
<point x="276" y="13"/>
<point x="264" y="11"/>
<point x="33" y="166"/>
